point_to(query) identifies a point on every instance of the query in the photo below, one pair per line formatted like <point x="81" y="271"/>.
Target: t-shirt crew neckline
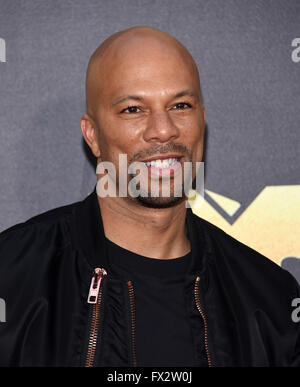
<point x="135" y="263"/>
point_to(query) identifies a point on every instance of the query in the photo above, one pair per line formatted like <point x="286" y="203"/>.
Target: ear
<point x="89" y="132"/>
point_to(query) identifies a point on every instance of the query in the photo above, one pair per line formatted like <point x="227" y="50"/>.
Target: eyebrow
<point x="139" y="98"/>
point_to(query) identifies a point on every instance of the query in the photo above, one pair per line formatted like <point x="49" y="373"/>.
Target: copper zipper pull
<point x="95" y="285"/>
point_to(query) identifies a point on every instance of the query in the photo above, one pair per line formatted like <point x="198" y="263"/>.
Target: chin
<point x="159" y="202"/>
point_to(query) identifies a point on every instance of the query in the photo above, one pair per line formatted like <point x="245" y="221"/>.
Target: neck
<point x="151" y="232"/>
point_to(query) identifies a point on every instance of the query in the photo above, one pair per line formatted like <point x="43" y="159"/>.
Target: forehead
<point x="150" y="68"/>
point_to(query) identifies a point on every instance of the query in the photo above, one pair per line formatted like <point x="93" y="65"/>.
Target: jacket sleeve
<point x="21" y="267"/>
<point x="13" y="272"/>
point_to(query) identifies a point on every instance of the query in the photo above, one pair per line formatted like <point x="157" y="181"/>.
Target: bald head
<point x="122" y="49"/>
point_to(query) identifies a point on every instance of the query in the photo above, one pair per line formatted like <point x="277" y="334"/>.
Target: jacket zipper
<point x="132" y="310"/>
<point x="197" y="300"/>
<point x="94" y="298"/>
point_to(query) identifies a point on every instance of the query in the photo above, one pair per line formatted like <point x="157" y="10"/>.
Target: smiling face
<point x="147" y="105"/>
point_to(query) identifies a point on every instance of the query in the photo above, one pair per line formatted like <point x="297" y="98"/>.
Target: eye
<point x="130" y="109"/>
<point x="182" y="106"/>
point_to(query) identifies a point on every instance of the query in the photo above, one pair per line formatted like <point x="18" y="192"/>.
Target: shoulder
<point x="47" y="218"/>
<point x="33" y="239"/>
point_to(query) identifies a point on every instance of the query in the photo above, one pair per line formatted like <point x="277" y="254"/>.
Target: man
<point x="138" y="280"/>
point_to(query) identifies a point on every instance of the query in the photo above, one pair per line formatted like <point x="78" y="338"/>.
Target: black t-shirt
<point x="163" y="333"/>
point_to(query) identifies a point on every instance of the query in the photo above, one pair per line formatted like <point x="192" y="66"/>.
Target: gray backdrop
<point x="249" y="77"/>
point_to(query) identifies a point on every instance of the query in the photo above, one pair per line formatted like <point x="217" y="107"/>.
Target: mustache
<point x="161" y="149"/>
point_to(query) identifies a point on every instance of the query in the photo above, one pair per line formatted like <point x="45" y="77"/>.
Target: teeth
<point x="166" y="163"/>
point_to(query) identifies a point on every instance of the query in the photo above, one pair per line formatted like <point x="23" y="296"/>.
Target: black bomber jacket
<point x="63" y="308"/>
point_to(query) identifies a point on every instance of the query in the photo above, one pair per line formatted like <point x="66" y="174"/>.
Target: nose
<point x="160" y="128"/>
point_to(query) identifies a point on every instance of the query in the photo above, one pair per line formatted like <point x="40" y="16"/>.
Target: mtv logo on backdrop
<point x="2" y="50"/>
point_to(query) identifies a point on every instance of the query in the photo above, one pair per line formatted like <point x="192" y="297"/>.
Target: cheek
<point x="193" y="136"/>
<point x="192" y="126"/>
<point x="194" y="139"/>
<point x="115" y="140"/>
